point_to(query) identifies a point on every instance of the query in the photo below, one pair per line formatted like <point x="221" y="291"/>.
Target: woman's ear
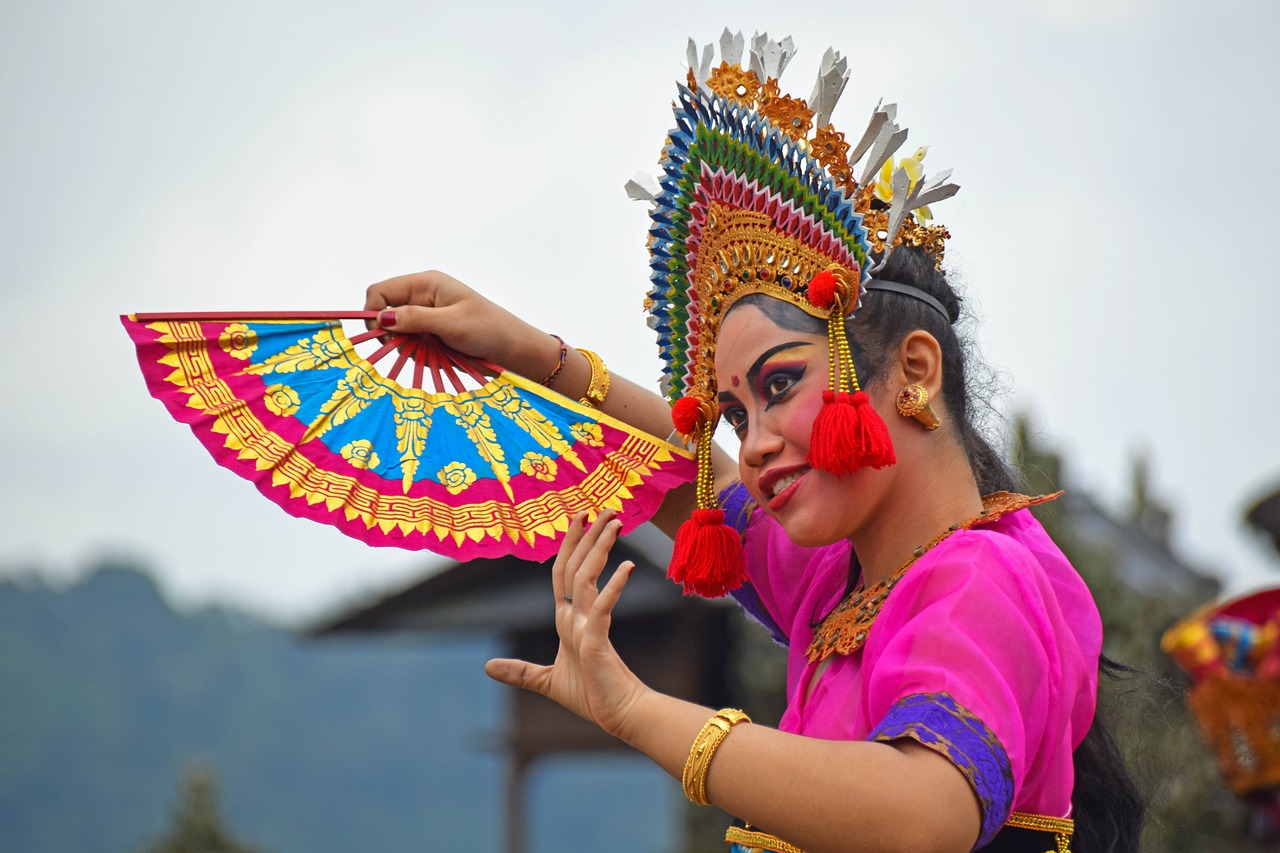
<point x="920" y="361"/>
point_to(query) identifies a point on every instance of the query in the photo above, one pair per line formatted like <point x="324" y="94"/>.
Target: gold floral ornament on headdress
<point x="734" y="83"/>
<point x="790" y="115"/>
<point x="832" y="151"/>
<point x="760" y="193"/>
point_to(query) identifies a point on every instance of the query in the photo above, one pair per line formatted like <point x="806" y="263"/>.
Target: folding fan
<point x="493" y="465"/>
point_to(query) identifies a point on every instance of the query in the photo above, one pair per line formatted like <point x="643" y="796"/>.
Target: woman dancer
<point x="943" y="654"/>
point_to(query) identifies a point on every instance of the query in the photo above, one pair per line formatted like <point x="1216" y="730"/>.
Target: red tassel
<point x="708" y="558"/>
<point x="822" y="289"/>
<point x="685" y="414"/>
<point x="849" y="434"/>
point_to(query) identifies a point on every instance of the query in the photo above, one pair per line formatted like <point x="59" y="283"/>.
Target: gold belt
<point x="1062" y="828"/>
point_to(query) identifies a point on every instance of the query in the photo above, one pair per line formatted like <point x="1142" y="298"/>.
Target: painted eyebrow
<point x="754" y="372"/>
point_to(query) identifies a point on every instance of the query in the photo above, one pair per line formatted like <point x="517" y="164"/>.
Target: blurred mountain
<point x="108" y="697"/>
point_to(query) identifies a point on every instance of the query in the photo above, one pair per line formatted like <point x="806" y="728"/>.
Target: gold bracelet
<point x="704" y="747"/>
<point x="598" y="389"/>
<point x="756" y="840"/>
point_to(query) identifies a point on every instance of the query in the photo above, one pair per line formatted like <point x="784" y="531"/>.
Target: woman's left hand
<point x="587" y="677"/>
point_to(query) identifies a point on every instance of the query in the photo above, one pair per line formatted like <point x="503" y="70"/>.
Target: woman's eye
<point x="735" y="418"/>
<point x="777" y="385"/>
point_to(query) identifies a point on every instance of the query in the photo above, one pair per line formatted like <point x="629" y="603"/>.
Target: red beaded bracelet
<point x="564" y="353"/>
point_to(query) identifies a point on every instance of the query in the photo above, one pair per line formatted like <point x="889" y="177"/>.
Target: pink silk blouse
<point x="986" y="651"/>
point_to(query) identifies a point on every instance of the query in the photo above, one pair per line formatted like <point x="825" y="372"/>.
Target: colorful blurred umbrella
<point x="285" y="401"/>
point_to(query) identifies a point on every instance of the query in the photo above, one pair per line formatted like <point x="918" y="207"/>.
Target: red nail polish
<point x="387" y="319"/>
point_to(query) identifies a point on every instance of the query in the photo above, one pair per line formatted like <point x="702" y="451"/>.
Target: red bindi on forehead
<point x="735" y="381"/>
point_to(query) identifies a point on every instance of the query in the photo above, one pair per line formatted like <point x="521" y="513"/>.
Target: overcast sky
<point x="1114" y="230"/>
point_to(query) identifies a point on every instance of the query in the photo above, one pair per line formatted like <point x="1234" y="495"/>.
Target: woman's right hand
<point x="439" y="304"/>
<point x="587" y="676"/>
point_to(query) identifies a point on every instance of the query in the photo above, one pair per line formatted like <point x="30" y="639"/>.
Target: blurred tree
<point x="197" y="826"/>
<point x="1142" y="588"/>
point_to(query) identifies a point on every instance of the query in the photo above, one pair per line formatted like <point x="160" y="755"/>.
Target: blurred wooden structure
<point x="683" y="646"/>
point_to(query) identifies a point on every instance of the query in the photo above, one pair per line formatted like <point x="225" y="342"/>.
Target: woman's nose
<point x="760" y="443"/>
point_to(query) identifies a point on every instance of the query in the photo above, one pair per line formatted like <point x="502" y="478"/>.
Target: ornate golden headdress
<point x="758" y="194"/>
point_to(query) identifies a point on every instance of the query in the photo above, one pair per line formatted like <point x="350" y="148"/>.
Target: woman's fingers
<point x="585" y="582"/>
<point x="388" y="297"/>
<point x="416" y="288"/>
<point x="608" y="597"/>
<point x="602" y="608"/>
<point x="520" y="673"/>
<point x="573" y="550"/>
<point x="571" y="539"/>
<point x="420" y="303"/>
<point x="438" y="304"/>
<point x="415" y="319"/>
<point x="585" y="551"/>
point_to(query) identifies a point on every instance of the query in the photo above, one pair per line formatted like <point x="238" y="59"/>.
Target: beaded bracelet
<point x="564" y="354"/>
<point x="704" y="748"/>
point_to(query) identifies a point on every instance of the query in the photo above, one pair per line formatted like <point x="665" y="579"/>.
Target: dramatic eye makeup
<point x="771" y="380"/>
<point x="779" y="377"/>
<point x="768" y="370"/>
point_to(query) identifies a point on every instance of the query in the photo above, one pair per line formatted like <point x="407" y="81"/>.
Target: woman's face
<point x="771" y="381"/>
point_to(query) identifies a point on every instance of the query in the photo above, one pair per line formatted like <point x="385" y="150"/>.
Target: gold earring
<point x="913" y="402"/>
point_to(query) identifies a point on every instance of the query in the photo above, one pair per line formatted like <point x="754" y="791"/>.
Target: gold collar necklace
<point x="845" y="629"/>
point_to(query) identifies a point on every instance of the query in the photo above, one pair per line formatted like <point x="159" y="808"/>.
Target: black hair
<point x="1106" y="802"/>
<point x="1107" y="805"/>
<point x="886" y="317"/>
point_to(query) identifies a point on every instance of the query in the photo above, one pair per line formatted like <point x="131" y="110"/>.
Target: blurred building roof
<point x="507" y="594"/>
<point x="1143" y="560"/>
